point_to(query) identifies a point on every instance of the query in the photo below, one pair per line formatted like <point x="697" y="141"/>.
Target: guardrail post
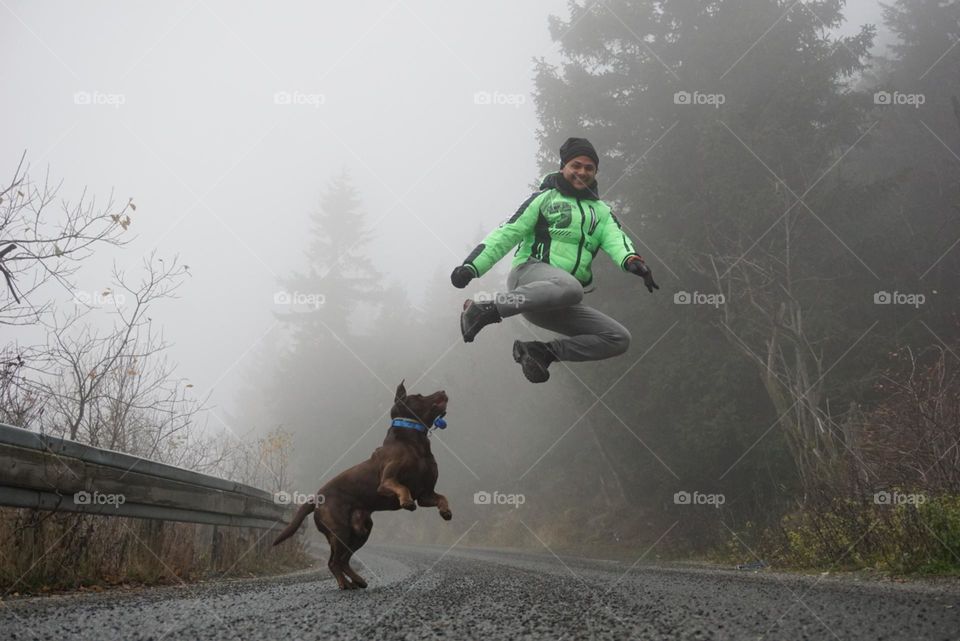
<point x="216" y="548"/>
<point x="153" y="542"/>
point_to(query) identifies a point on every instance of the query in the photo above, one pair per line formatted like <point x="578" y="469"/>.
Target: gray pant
<point x="551" y="298"/>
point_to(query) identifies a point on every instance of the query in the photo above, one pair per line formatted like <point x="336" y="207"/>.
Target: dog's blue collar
<point x="405" y="422"/>
<point x="416" y="425"/>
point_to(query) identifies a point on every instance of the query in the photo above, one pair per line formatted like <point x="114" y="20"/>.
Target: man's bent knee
<point x="619" y="340"/>
<point x="571" y="293"/>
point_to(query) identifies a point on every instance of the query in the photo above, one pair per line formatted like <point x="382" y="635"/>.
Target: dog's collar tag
<point x="404" y="422"/>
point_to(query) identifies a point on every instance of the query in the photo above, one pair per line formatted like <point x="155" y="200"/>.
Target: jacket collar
<point x="558" y="182"/>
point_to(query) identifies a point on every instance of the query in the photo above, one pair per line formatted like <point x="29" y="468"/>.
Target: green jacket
<point x="560" y="226"/>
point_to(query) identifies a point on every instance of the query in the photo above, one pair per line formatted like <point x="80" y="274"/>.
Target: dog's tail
<point x="291" y="529"/>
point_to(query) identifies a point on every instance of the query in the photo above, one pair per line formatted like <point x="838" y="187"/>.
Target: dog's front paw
<point x="410" y="505"/>
<point x="446" y="515"/>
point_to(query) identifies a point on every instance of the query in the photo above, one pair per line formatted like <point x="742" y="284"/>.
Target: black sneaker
<point x="534" y="357"/>
<point x="476" y="316"/>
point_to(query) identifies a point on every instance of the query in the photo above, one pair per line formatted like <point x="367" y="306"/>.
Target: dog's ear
<point x="401" y="393"/>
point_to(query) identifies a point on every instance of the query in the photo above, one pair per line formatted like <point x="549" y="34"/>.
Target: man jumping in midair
<point x="557" y="231"/>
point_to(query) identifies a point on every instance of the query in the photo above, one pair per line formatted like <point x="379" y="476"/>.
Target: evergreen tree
<point x="340" y="277"/>
<point x="916" y="153"/>
<point x="318" y="382"/>
<point x="711" y="191"/>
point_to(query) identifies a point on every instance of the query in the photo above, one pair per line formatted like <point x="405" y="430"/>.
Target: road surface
<point x="435" y="593"/>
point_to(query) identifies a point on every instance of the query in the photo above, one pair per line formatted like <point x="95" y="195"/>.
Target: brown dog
<point x="400" y="474"/>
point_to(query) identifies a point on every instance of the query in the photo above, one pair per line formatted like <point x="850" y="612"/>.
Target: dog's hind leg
<point x="333" y="521"/>
<point x="357" y="580"/>
<point x="318" y="517"/>
<point x="340" y="553"/>
<point x="339" y="563"/>
<point x="360" y="524"/>
<point x="438" y="500"/>
<point x="336" y="563"/>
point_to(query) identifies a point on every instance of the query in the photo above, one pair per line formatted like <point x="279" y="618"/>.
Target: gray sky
<point x="224" y="173"/>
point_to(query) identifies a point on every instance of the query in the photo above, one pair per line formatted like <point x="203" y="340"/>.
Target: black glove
<point x="461" y="276"/>
<point x="638" y="267"/>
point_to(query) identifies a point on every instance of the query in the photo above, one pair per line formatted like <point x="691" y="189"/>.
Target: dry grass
<point x="42" y="552"/>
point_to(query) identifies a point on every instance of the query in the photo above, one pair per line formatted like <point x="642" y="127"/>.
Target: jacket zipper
<point x="593" y="220"/>
<point x="583" y="239"/>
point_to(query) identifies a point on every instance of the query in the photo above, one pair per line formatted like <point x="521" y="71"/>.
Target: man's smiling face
<point x="580" y="172"/>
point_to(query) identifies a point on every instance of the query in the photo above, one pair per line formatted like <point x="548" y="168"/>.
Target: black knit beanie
<point x="574" y="147"/>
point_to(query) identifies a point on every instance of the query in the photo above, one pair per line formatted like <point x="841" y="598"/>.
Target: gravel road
<point x="432" y="593"/>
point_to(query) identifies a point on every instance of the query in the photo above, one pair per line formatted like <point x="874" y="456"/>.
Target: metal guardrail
<point x="48" y="473"/>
